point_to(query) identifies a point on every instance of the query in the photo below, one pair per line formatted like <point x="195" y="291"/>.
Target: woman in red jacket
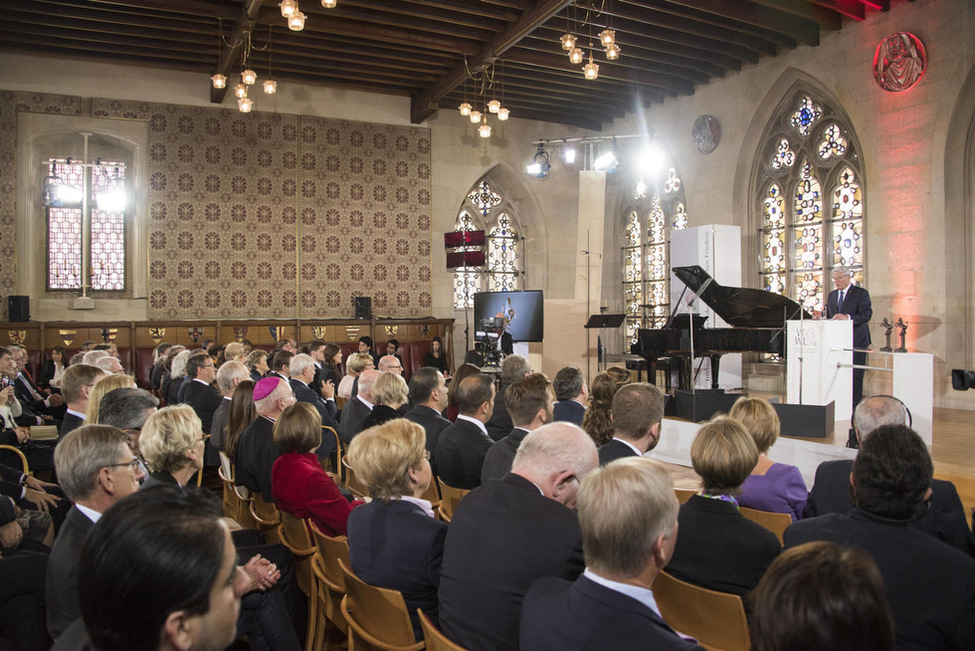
<point x="300" y="486"/>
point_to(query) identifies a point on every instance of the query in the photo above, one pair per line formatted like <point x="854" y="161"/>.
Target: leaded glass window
<point x="106" y="230"/>
<point x="810" y="200"/>
<point x="485" y="209"/>
<point x="655" y="207"/>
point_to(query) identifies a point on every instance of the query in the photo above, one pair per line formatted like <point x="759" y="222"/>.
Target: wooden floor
<point x="953" y="453"/>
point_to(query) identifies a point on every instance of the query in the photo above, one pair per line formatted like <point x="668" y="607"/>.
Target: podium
<point x="818" y="363"/>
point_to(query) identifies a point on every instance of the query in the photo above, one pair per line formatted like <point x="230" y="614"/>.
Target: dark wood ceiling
<point x="424" y="48"/>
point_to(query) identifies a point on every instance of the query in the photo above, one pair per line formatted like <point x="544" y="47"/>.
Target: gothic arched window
<point x="485" y="209"/>
<point x="810" y="198"/>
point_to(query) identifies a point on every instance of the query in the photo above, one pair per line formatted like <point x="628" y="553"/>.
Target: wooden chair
<point x="331" y="582"/>
<point x="434" y="638"/>
<point x="266" y="517"/>
<point x="774" y="522"/>
<point x="684" y="494"/>
<point x="451" y="498"/>
<point x="716" y="619"/>
<point x="23" y="457"/>
<point x="377" y="617"/>
<point x="294" y="535"/>
<point x="328" y="431"/>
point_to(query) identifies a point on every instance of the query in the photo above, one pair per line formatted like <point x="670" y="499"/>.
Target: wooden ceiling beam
<point x="424" y="104"/>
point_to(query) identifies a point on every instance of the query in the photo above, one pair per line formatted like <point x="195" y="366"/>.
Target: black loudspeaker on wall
<point x="18" y="309"/>
<point x="363" y="307"/>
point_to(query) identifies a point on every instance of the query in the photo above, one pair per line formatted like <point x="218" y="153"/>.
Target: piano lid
<point x="741" y="307"/>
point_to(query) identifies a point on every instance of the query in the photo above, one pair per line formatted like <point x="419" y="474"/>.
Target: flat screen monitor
<point x="523" y="310"/>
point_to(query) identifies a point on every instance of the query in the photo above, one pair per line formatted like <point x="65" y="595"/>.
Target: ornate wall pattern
<point x="267" y="215"/>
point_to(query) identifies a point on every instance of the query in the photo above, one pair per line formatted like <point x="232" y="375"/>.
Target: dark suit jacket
<point x="62" y="572"/>
<point x="944" y="518"/>
<point x="561" y="616"/>
<point x="500" y="423"/>
<point x="498" y="460"/>
<point x="503" y="537"/>
<point x="433" y="423"/>
<point x="613" y="450"/>
<point x="204" y="399"/>
<point x="354" y="414"/>
<point x="326" y="408"/>
<point x="395" y="545"/>
<point x="569" y="411"/>
<point x="857" y="306"/>
<point x="930" y="586"/>
<point x="68" y="423"/>
<point x="718" y="548"/>
<point x="256" y="453"/>
<point x="460" y="454"/>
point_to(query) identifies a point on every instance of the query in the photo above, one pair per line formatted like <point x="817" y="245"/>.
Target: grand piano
<point x="757" y="319"/>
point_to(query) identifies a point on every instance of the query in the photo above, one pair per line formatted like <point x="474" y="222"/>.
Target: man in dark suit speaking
<point x="849" y="302"/>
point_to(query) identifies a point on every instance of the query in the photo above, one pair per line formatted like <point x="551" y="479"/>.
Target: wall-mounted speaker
<point x="18" y="309"/>
<point x="363" y="307"/>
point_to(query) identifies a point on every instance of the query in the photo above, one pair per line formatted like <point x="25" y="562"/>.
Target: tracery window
<point x="810" y="200"/>
<point x="485" y="209"/>
<point x="654" y="208"/>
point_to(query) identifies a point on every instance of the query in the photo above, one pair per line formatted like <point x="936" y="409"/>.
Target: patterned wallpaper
<point x="267" y="215"/>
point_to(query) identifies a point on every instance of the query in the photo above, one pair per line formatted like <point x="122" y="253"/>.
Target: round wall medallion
<point x="899" y="62"/>
<point x="706" y="133"/>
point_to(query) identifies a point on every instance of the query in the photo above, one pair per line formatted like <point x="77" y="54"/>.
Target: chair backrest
<point x="451" y="498"/>
<point x="716" y="619"/>
<point x="376" y="615"/>
<point x="774" y="522"/>
<point x="294" y="535"/>
<point x="23" y="457"/>
<point x="684" y="494"/>
<point x="434" y="637"/>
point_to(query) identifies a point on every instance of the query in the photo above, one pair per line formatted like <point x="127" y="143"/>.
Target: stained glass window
<point x="106" y="233"/>
<point x="485" y="209"/>
<point x="810" y="147"/>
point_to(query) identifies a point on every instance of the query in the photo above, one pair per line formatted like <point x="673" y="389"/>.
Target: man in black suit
<point x="513" y="368"/>
<point x="638" y="410"/>
<point x="510" y="532"/>
<point x="358" y="408"/>
<point x="428" y="391"/>
<point x="256" y="451"/>
<point x="463" y="446"/>
<point x="572" y="392"/>
<point x="303" y="372"/>
<point x="849" y="302"/>
<point x="611" y="605"/>
<point x="95" y="468"/>
<point x="530" y="405"/>
<point x="930" y="586"/>
<point x="943" y="516"/>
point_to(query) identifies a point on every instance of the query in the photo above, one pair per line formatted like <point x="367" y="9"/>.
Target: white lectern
<point x="816" y="349"/>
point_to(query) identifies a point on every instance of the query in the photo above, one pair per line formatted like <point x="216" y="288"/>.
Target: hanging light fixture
<point x="607" y="37"/>
<point x="613" y="52"/>
<point x="329" y="4"/>
<point x="219" y="81"/>
<point x="296" y="22"/>
<point x="245" y="104"/>
<point x="288" y="8"/>
<point x="240" y="91"/>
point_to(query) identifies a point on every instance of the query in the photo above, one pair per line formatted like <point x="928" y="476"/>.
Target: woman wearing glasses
<point x="172" y="443"/>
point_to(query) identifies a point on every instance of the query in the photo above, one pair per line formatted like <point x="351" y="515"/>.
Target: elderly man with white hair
<point x="511" y="531"/>
<point x="256" y="450"/>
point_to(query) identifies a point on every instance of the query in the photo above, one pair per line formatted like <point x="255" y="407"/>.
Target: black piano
<point x="757" y="318"/>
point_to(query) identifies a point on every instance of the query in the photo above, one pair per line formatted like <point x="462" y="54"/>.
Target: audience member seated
<point x="638" y="410"/>
<point x="930" y="585"/>
<point x="775" y="487"/>
<point x="818" y="596"/>
<point x="437" y="356"/>
<point x="628" y="516"/>
<point x="243" y="412"/>
<point x="428" y="392"/>
<point x="302" y="371"/>
<point x="301" y="487"/>
<point x="465" y="370"/>
<point x="943" y="516"/>
<point x="172" y="444"/>
<point x="717" y="547"/>
<point x="394" y="541"/>
<point x="513" y="368"/>
<point x="229" y="376"/>
<point x="50" y="376"/>
<point x="354" y="366"/>
<point x="463" y="446"/>
<point x="257" y="363"/>
<point x="256" y="450"/>
<point x="572" y="393"/>
<point x="598" y="419"/>
<point x="389" y="394"/>
<point x="530" y="406"/>
<point x="96" y="469"/>
<point x="510" y="532"/>
<point x="357" y="409"/>
<point x="103" y="386"/>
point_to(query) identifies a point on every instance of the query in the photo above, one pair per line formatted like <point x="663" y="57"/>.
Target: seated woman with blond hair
<point x="299" y="484"/>
<point x="394" y="541"/>
<point x="775" y="487"/>
<point x="172" y="443"/>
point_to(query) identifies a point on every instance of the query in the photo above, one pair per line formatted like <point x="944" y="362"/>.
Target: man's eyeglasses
<point x="133" y="464"/>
